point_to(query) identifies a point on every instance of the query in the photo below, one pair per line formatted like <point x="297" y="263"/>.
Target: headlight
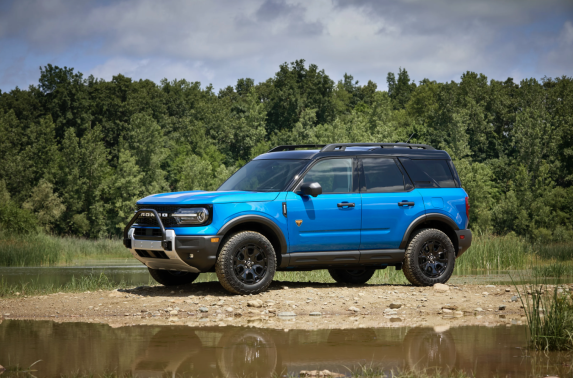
<point x="193" y="215"/>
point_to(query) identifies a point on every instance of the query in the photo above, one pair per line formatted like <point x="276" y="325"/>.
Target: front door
<point x="387" y="207"/>
<point x="330" y="221"/>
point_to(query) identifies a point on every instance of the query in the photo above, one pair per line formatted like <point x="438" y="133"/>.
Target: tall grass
<point x="47" y="250"/>
<point x="489" y="252"/>
<point x="549" y="312"/>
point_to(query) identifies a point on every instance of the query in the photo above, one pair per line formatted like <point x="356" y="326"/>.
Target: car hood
<point x="199" y="197"/>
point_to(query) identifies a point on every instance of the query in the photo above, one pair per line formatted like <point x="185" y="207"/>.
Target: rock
<point x="257" y="303"/>
<point x="390" y="312"/>
<point x="229" y="309"/>
<point x="507" y="290"/>
<point x="447" y="311"/>
<point x="315" y="313"/>
<point x="450" y="307"/>
<point x="479" y="309"/>
<point x="395" y="319"/>
<point x="485" y="293"/>
<point x="272" y="310"/>
<point x="173" y="313"/>
<point x="441" y="288"/>
<point x="203" y="309"/>
<point x="355" y="309"/>
<point x="361" y="294"/>
<point x="502" y="308"/>
<point x="458" y="314"/>
<point x="514" y="298"/>
<point x="319" y="373"/>
<point x="286" y="314"/>
<point x="395" y="305"/>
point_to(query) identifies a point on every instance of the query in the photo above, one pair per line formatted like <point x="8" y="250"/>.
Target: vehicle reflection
<point x="238" y="352"/>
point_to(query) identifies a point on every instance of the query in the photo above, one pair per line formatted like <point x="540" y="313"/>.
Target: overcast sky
<point x="217" y="42"/>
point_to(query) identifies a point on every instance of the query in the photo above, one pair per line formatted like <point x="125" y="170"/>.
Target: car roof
<point x="356" y="151"/>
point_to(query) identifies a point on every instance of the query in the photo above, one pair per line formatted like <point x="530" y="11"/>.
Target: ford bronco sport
<point x="350" y="208"/>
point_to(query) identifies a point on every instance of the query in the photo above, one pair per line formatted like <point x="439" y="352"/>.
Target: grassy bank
<point x="47" y="250"/>
<point x="90" y="282"/>
<point x="549" y="313"/>
<point x="488" y="253"/>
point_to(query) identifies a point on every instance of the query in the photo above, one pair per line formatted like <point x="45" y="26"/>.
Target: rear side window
<point x="381" y="176"/>
<point x="429" y="173"/>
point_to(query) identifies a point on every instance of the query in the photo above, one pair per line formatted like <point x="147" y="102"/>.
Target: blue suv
<point x="350" y="208"/>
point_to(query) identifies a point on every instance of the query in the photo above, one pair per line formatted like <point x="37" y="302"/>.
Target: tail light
<point x="468" y="208"/>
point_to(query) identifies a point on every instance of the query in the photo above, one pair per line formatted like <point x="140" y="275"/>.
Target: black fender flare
<point x="425" y="218"/>
<point x="256" y="219"/>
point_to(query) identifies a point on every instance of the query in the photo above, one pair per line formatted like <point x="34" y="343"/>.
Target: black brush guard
<point x="165" y="244"/>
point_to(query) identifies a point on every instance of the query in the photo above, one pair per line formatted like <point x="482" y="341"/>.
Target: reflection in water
<point x="154" y="351"/>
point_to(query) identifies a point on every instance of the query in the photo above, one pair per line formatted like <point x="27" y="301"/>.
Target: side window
<point x="334" y="175"/>
<point x="429" y="173"/>
<point x="381" y="176"/>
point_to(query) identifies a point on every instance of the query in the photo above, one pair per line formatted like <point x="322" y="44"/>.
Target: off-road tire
<point x="356" y="276"/>
<point x="226" y="266"/>
<point x="411" y="267"/>
<point x="172" y="278"/>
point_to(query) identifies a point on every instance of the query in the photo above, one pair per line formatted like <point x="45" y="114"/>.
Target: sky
<point x="219" y="41"/>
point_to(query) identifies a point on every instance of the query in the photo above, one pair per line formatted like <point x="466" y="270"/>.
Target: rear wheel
<point x="352" y="276"/>
<point x="430" y="258"/>
<point x="247" y="263"/>
<point x="172" y="277"/>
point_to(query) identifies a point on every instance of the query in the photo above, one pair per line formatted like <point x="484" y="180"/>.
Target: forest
<point x="76" y="153"/>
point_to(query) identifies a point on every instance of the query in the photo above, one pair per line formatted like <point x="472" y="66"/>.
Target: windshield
<point x="264" y="175"/>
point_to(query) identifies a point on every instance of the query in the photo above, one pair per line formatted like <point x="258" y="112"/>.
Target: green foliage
<point x="76" y="153"/>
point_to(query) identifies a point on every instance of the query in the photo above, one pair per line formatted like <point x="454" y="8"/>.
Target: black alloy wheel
<point x="250" y="264"/>
<point x="357" y="276"/>
<point x="433" y="259"/>
<point x="172" y="277"/>
<point x="247" y="263"/>
<point x="430" y="258"/>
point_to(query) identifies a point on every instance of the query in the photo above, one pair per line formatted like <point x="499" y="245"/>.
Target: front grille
<point x="151" y="254"/>
<point x="151" y="221"/>
<point x="147" y="232"/>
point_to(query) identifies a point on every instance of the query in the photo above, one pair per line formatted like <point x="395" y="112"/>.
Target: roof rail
<point x="342" y="146"/>
<point x="292" y="147"/>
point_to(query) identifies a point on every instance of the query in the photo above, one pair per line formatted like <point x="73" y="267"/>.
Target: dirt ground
<point x="286" y="305"/>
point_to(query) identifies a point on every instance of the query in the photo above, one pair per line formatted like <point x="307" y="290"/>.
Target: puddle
<point x="154" y="351"/>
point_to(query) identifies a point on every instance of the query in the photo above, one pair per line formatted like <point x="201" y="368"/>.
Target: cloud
<point x="220" y="41"/>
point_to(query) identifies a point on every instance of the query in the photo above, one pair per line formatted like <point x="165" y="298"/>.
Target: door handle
<point x="406" y="203"/>
<point x="346" y="204"/>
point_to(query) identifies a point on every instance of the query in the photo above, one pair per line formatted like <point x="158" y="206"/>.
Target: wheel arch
<point x="260" y="224"/>
<point x="432" y="220"/>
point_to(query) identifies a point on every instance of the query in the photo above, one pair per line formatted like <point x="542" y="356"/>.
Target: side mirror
<point x="312" y="189"/>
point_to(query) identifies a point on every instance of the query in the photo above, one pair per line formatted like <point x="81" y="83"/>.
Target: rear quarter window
<point x="429" y="173"/>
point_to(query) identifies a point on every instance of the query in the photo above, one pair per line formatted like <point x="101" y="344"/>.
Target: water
<point x="156" y="351"/>
<point x="116" y="270"/>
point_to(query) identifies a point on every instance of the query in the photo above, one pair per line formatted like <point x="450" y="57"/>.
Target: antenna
<point x="410" y="137"/>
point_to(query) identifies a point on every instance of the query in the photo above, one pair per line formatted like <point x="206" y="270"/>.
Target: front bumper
<point x="464" y="241"/>
<point x="196" y="254"/>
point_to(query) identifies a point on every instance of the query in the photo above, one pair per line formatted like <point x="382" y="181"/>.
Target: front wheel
<point x="172" y="277"/>
<point x="247" y="263"/>
<point x="430" y="258"/>
<point x="357" y="276"/>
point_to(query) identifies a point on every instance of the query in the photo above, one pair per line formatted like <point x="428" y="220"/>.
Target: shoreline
<point x="286" y="305"/>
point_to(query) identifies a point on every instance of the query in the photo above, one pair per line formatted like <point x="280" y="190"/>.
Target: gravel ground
<point x="285" y="305"/>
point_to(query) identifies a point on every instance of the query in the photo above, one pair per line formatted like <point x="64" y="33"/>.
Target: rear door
<point x="330" y="221"/>
<point x="389" y="203"/>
